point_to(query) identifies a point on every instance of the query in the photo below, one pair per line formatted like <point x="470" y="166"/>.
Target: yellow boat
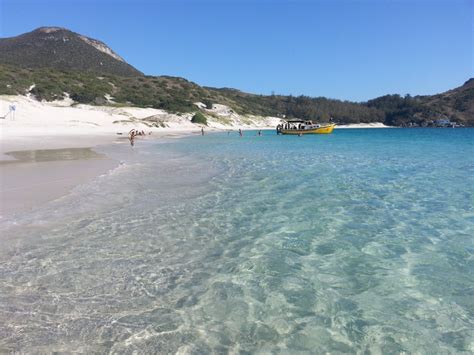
<point x="301" y="127"/>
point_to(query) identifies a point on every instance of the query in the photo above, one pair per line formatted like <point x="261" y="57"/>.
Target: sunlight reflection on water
<point x="360" y="241"/>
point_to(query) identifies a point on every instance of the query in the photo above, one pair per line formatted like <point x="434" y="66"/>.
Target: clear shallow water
<point x="360" y="241"/>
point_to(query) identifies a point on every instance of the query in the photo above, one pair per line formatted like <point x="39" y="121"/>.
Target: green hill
<point x="51" y="63"/>
<point x="172" y="94"/>
<point x="456" y="105"/>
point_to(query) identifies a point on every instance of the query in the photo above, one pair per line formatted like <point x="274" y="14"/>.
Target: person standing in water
<point x="259" y="132"/>
<point x="202" y="131"/>
<point x="240" y="133"/>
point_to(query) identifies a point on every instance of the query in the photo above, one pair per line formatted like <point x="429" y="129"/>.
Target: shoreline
<point x="35" y="170"/>
<point x="48" y="148"/>
<point x="374" y="125"/>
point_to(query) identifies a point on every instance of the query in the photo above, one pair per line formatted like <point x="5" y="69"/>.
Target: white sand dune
<point x="365" y="125"/>
<point x="64" y="118"/>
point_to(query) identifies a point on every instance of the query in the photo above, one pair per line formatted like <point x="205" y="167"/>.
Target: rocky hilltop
<point x="60" y="48"/>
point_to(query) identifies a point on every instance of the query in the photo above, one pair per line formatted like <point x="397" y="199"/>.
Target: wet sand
<point x="30" y="178"/>
<point x="41" y="168"/>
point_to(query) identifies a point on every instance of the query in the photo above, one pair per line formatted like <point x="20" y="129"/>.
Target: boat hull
<point x="320" y="130"/>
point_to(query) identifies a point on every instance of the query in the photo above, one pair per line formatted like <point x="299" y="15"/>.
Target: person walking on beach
<point x="131" y="137"/>
<point x="202" y="131"/>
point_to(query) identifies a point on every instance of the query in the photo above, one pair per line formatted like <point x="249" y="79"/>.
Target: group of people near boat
<point x="299" y="126"/>
<point x="133" y="133"/>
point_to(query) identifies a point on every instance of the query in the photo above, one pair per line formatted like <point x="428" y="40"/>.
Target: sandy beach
<point x="37" y="169"/>
<point x="364" y="125"/>
<point x="48" y="148"/>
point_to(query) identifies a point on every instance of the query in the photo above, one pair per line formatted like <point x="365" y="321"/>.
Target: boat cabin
<point x="299" y="125"/>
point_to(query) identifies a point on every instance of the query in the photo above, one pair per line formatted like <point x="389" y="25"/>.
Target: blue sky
<point x="347" y="49"/>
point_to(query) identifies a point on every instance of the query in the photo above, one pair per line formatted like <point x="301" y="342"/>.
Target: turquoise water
<point x="356" y="242"/>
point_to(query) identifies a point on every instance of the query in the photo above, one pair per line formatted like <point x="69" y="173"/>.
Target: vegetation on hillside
<point x="398" y="109"/>
<point x="456" y="105"/>
<point x="199" y="118"/>
<point x="172" y="94"/>
<point x="179" y="95"/>
<point x="320" y="108"/>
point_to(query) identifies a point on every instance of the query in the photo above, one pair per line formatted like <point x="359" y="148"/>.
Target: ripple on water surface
<point x="359" y="241"/>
